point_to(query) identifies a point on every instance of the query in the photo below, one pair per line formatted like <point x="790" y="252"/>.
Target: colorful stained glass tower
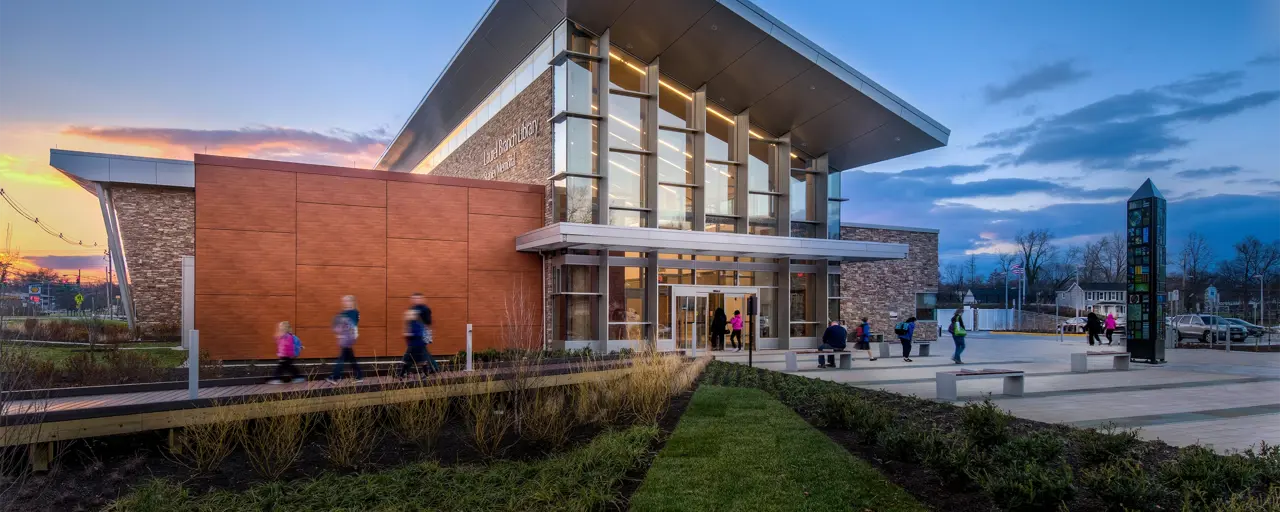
<point x="1145" y="230"/>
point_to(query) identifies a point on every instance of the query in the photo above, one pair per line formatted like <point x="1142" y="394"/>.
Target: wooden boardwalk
<point x="41" y="420"/>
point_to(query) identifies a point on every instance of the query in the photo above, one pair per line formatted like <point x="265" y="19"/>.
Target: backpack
<point x="857" y="333"/>
<point x="901" y="328"/>
<point x="297" y="346"/>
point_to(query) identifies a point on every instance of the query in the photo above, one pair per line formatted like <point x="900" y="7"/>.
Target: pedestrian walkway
<point x="1227" y="400"/>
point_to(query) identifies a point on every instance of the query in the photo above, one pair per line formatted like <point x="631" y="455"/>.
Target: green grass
<point x="587" y="478"/>
<point x="739" y="449"/>
<point x="168" y="357"/>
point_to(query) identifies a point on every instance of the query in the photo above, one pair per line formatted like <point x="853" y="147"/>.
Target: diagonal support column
<point x="117" y="251"/>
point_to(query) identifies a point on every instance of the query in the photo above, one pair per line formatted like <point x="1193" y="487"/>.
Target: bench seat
<point x="946" y="381"/>
<point x="1080" y="360"/>
<point x="845" y="359"/>
<point x="922" y="346"/>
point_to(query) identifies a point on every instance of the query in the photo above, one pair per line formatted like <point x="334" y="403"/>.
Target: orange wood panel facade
<point x="279" y="241"/>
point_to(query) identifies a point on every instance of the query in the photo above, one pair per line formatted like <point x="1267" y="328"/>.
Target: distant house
<point x="986" y="296"/>
<point x="1104" y="298"/>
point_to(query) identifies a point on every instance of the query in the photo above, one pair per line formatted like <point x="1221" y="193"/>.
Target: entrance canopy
<point x="568" y="235"/>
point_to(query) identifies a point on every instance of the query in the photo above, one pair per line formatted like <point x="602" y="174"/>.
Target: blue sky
<point x="1057" y="109"/>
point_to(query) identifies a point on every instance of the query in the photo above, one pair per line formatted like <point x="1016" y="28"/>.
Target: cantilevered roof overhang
<point x="745" y="57"/>
<point x="87" y="169"/>
<point x="568" y="235"/>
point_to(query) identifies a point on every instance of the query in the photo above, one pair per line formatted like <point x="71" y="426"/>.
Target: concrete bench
<point x="921" y="346"/>
<point x="845" y="359"/>
<point x="946" y="381"/>
<point x="1080" y="360"/>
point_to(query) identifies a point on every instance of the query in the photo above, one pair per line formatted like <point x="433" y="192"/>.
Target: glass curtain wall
<point x="762" y="183"/>
<point x="804" y="322"/>
<point x="575" y="130"/>
<point x="804" y="196"/>
<point x="675" y="155"/>
<point x="833" y="295"/>
<point x="834" y="200"/>
<point x="575" y="303"/>
<point x="627" y="305"/>
<point x="720" y="175"/>
<point x="628" y="130"/>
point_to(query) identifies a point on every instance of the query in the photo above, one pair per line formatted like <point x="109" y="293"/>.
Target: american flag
<point x="1016" y="269"/>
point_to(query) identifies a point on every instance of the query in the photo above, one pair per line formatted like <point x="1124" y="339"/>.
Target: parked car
<point x="1199" y="326"/>
<point x="1250" y="329"/>
<point x="1073" y="324"/>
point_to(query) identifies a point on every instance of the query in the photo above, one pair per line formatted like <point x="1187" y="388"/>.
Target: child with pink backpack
<point x="288" y="347"/>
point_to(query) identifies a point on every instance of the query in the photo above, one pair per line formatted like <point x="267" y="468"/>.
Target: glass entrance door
<point x="688" y="325"/>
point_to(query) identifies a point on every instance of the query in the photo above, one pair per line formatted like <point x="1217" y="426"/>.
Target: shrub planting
<point x="1125" y="485"/>
<point x="419" y="421"/>
<point x="1026" y="486"/>
<point x="1099" y="446"/>
<point x="984" y="423"/>
<point x="949" y="455"/>
<point x="1202" y="477"/>
<point x="902" y="442"/>
<point x="351" y="434"/>
<point x="547" y="417"/>
<point x="203" y="447"/>
<point x="273" y="443"/>
<point x="487" y="419"/>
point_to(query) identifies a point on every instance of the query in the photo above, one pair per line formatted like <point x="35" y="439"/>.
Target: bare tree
<point x="1252" y="257"/>
<point x="1194" y="261"/>
<point x="1035" y="250"/>
<point x="1114" y="257"/>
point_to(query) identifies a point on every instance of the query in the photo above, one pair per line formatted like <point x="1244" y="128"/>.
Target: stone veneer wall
<point x="157" y="227"/>
<point x="529" y="161"/>
<point x="875" y="288"/>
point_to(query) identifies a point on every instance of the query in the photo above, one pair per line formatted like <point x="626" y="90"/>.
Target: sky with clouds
<point x="1057" y="110"/>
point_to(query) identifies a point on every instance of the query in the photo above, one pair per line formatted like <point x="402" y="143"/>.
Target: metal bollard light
<point x="193" y="365"/>
<point x="468" y="348"/>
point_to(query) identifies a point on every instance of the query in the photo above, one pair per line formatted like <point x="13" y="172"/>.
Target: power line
<point x="25" y="213"/>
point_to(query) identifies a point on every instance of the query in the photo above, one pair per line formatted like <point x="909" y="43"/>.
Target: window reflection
<point x="626" y="72"/>
<point x="721" y="185"/>
<point x="759" y="175"/>
<point x="719" y="135"/>
<point x="675" y="104"/>
<point x="804" y="196"/>
<point x="675" y="207"/>
<point x="575" y="146"/>
<point x="575" y="200"/>
<point x="626" y="180"/>
<point x="763" y="216"/>
<point x="675" y="157"/>
<point x="627" y="122"/>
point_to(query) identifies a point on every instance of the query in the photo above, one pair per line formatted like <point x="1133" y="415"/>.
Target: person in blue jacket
<point x="833" y="340"/>
<point x="905" y="338"/>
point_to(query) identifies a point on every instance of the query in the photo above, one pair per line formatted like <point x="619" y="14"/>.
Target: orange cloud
<point x="359" y="149"/>
<point x="14" y="169"/>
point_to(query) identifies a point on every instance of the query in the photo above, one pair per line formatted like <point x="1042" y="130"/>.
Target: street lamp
<point x="1262" y="302"/>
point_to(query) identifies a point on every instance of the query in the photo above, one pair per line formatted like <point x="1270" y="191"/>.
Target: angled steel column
<point x="117" y="252"/>
<point x="823" y="202"/>
<point x="650" y="125"/>
<point x="700" y="159"/>
<point x="782" y="172"/>
<point x="602" y="130"/>
<point x="602" y="307"/>
<point x="742" y="155"/>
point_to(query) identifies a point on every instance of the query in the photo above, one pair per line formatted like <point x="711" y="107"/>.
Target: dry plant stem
<point x="488" y="417"/>
<point x="419" y="421"/>
<point x="274" y="442"/>
<point x="202" y="448"/>
<point x="547" y="417"/>
<point x="18" y="366"/>
<point x="352" y="434"/>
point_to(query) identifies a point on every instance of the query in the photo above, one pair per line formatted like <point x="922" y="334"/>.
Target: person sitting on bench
<point x="833" y="340"/>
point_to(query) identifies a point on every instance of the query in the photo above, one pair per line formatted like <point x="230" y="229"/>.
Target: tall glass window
<point x="626" y="72"/>
<point x="576" y="298"/>
<point x="834" y="296"/>
<point x="575" y="86"/>
<point x="803" y="295"/>
<point x="627" y="304"/>
<point x="626" y="180"/>
<point x="575" y="199"/>
<point x="720" y="140"/>
<point x="626" y="122"/>
<point x="675" y="207"/>
<point x="675" y="174"/>
<point x="762" y="183"/>
<point x="675" y="104"/>
<point x="834" y="199"/>
<point x="575" y="145"/>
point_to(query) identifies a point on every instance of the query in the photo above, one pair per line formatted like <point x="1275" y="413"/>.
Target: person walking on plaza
<point x="346" y="328"/>
<point x="862" y="338"/>
<point x="415" y="340"/>
<point x="905" y="331"/>
<point x="1093" y="326"/>
<point x="286" y="350"/>
<point x="833" y="339"/>
<point x="735" y="336"/>
<point x="957" y="335"/>
<point x="1111" y="327"/>
<point x="719" y="324"/>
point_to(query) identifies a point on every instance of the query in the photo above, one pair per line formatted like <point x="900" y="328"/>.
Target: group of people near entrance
<point x="346" y="328"/>
<point x="836" y="336"/>
<point x="720" y="323"/>
<point x="1095" y="325"/>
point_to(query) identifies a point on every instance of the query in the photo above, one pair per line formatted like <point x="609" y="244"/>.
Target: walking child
<point x="862" y="338"/>
<point x="735" y="335"/>
<point x="1111" y="326"/>
<point x="346" y="328"/>
<point x="287" y="346"/>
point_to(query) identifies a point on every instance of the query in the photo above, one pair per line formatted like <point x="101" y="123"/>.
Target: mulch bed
<point x="91" y="473"/>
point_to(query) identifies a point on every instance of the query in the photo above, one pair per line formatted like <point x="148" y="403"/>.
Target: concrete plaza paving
<point x="1226" y="400"/>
